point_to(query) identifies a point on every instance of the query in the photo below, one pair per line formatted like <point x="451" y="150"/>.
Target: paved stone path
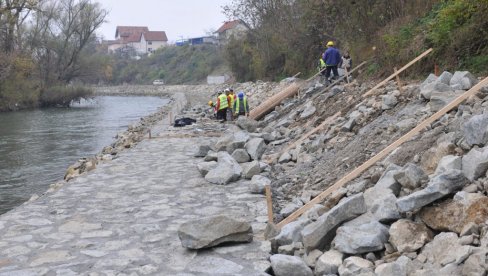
<point x="122" y="219"/>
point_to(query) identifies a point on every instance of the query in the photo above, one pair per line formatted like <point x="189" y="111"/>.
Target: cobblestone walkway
<point x="122" y="219"/>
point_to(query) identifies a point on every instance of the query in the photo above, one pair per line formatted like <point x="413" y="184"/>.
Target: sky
<point x="178" y="18"/>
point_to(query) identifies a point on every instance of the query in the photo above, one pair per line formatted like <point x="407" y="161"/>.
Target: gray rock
<point x="387" y="181"/>
<point x="205" y="167"/>
<point x="202" y="151"/>
<point x="463" y="78"/>
<point x="227" y="170"/>
<point x="435" y="87"/>
<point x="381" y="203"/>
<point x="315" y="212"/>
<point x="356" y="187"/>
<point x="255" y="147"/>
<point x="440" y="99"/>
<point x="284" y="158"/>
<point x="397" y="268"/>
<point x="291" y="207"/>
<point x="247" y="124"/>
<point x="290" y="233"/>
<point x="475" y="163"/>
<point x="284" y="265"/>
<point x="445" y="249"/>
<point x="476" y="264"/>
<point x="258" y="184"/>
<point x="475" y="130"/>
<point x="329" y="263"/>
<point x="347" y="126"/>
<point x="241" y="156"/>
<point x="430" y="79"/>
<point x="311" y="258"/>
<point x="317" y="234"/>
<point x="354" y="266"/>
<point x="445" y="78"/>
<point x="388" y="102"/>
<point x="212" y="231"/>
<point x="250" y="169"/>
<point x="411" y="176"/>
<point x="337" y="89"/>
<point x="211" y="156"/>
<point x="409" y="236"/>
<point x="308" y="111"/>
<point x="231" y="140"/>
<point x="449" y="162"/>
<point x="437" y="188"/>
<point x="361" y="239"/>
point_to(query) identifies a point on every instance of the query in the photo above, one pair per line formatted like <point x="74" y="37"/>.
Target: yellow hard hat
<point x="210" y="103"/>
<point x="330" y="43"/>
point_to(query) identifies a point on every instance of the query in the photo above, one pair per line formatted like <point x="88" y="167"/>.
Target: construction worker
<point x="332" y="58"/>
<point x="321" y="67"/>
<point x="214" y="108"/>
<point x="222" y="105"/>
<point x="241" y="106"/>
<point x="230" y="100"/>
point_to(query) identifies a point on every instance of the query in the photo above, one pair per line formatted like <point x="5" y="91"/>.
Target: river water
<point x="37" y="146"/>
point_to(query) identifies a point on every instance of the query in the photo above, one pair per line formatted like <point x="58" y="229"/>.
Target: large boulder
<point x="212" y="231"/>
<point x="247" y="124"/>
<point x="201" y="150"/>
<point x="409" y="236"/>
<point x="475" y="130"/>
<point x="258" y="184"/>
<point x="241" y="156"/>
<point x="319" y="233"/>
<point x="231" y="140"/>
<point x="284" y="265"/>
<point x="205" y="167"/>
<point x="445" y="78"/>
<point x="446" y="249"/>
<point x="308" y="111"/>
<point x="475" y="163"/>
<point x="440" y="99"/>
<point x="250" y="169"/>
<point x="227" y="170"/>
<point x="440" y="186"/>
<point x="434" y="87"/>
<point x="396" y="268"/>
<point x="388" y="102"/>
<point x="289" y="234"/>
<point x="447" y="163"/>
<point x="411" y="176"/>
<point x="463" y="79"/>
<point x="365" y="238"/>
<point x="329" y="263"/>
<point x="454" y="215"/>
<point x="381" y="203"/>
<point x="476" y="264"/>
<point x="354" y="266"/>
<point x="388" y="181"/>
<point x="255" y="147"/>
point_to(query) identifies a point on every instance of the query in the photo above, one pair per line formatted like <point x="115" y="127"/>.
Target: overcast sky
<point x="178" y="18"/>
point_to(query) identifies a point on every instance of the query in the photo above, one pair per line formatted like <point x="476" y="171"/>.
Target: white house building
<point x="139" y="38"/>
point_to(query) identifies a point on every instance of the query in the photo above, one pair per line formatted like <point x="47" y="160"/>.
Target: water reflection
<point x="37" y="146"/>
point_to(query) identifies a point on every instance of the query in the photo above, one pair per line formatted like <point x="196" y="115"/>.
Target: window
<point x="149" y="49"/>
<point x="149" y="43"/>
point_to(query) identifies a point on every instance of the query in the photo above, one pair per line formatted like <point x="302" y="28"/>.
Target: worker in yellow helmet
<point x="332" y="58"/>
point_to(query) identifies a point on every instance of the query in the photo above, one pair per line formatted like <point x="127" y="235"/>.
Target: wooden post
<point x="398" y="72"/>
<point x="269" y="202"/>
<point x="356" y="172"/>
<point x="399" y="83"/>
<point x="149" y="132"/>
<point x="170" y="116"/>
<point x="436" y="69"/>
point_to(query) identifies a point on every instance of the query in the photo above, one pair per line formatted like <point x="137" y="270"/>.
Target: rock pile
<point x="422" y="210"/>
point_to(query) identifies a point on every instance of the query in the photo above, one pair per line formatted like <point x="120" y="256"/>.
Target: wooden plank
<point x="398" y="72"/>
<point x="269" y="202"/>
<point x="356" y="172"/>
<point x="322" y="125"/>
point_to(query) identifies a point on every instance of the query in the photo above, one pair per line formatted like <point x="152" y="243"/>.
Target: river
<point x="37" y="146"/>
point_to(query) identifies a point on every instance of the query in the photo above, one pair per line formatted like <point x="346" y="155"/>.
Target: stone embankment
<point x="191" y="200"/>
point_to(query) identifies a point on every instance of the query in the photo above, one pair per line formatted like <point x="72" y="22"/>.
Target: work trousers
<point x="222" y="114"/>
<point x="333" y="69"/>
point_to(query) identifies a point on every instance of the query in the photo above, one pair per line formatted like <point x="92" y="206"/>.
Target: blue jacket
<point x="332" y="56"/>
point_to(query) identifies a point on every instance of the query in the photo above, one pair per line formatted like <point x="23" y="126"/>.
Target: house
<point x="139" y="38"/>
<point x="235" y="28"/>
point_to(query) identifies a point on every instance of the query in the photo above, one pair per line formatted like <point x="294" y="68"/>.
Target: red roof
<point x="155" y="36"/>
<point x="228" y="25"/>
<point x="126" y="31"/>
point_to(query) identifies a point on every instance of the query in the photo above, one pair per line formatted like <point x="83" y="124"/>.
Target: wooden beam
<point x="356" y="172"/>
<point x="269" y="203"/>
<point x="398" y="72"/>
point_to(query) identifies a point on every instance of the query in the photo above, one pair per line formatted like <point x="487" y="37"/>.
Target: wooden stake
<point x="170" y="116"/>
<point x="398" y="72"/>
<point x="356" y="172"/>
<point x="347" y="74"/>
<point x="269" y="202"/>
<point x="149" y="133"/>
<point x="436" y="69"/>
<point x="399" y="83"/>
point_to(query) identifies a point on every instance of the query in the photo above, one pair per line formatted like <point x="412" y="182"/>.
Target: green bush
<point x="63" y="95"/>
